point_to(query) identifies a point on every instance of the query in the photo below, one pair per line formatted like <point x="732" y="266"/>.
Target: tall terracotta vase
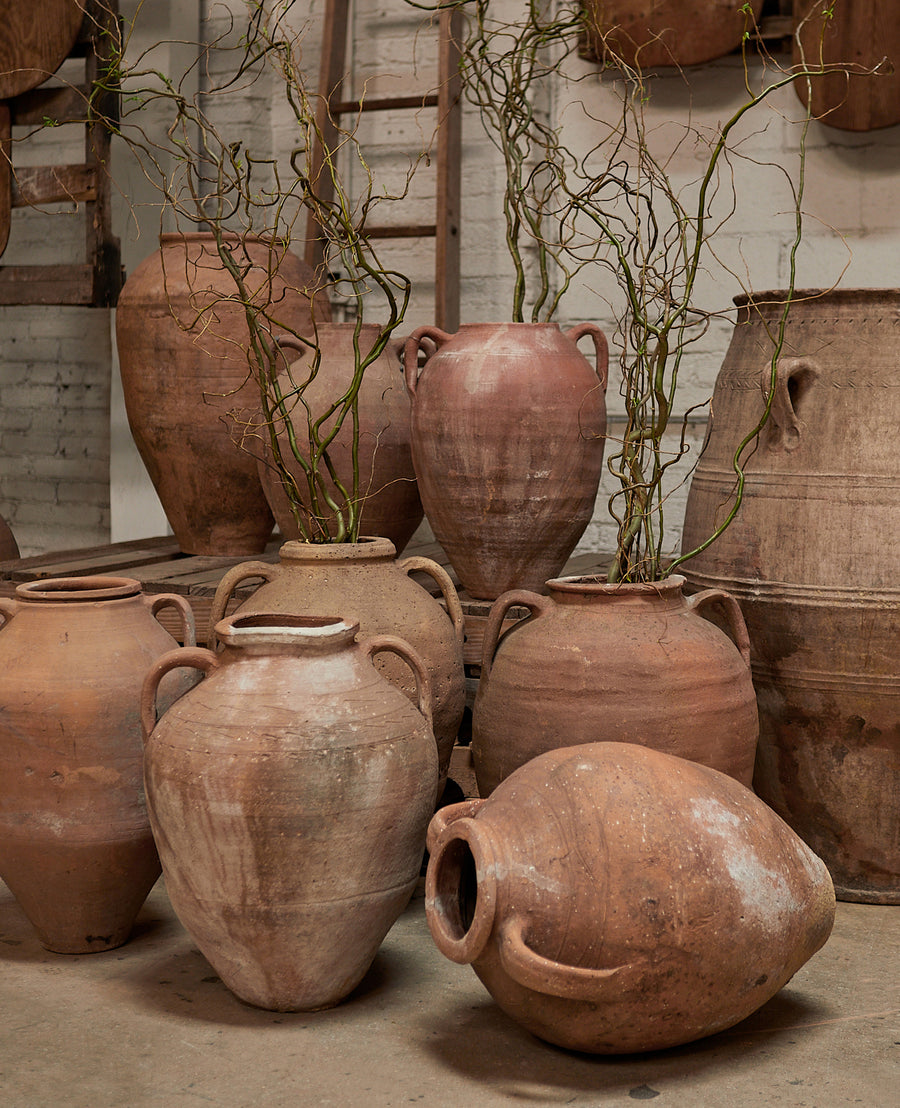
<point x="75" y="843"/>
<point x="390" y="504"/>
<point x="813" y="558"/>
<point x="615" y="899"/>
<point x="508" y="425"/>
<point x="289" y="794"/>
<point x="652" y="33"/>
<point x="367" y="582"/>
<point x="618" y="663"/>
<point x="182" y="340"/>
<point x="862" y="35"/>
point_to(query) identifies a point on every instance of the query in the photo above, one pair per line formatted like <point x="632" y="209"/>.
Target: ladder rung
<point x="402" y="231"/>
<point x="384" y="104"/>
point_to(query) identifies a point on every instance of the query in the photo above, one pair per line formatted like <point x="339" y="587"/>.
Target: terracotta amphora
<point x="861" y="42"/>
<point x="366" y="580"/>
<point x="389" y="496"/>
<point x="615" y="899"/>
<point x="75" y="843"/>
<point x="189" y="395"/>
<point x="508" y="424"/>
<point x="813" y="558"/>
<point x="289" y="793"/>
<point x="620" y="663"/>
<point x="647" y="34"/>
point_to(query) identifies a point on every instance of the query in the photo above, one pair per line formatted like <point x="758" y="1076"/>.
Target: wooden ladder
<point x="445" y="228"/>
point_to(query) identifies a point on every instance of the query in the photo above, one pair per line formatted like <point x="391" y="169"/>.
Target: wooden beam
<point x="53" y="184"/>
<point x="47" y="284"/>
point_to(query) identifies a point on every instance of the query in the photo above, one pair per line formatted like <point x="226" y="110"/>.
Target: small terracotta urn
<point x="614" y="899"/>
<point x="76" y="848"/>
<point x="289" y="793"/>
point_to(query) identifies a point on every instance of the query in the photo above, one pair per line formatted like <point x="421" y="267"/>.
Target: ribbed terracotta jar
<point x="508" y="424"/>
<point x="75" y="843"/>
<point x="813" y="558"/>
<point x="651" y="33"/>
<point x="389" y="496"/>
<point x="289" y="794"/>
<point x="366" y="581"/>
<point x="182" y="339"/>
<point x="616" y="663"/>
<point x="615" y="899"/>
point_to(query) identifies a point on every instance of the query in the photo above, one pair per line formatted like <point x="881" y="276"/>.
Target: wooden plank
<point x="5" y="174"/>
<point x="65" y="104"/>
<point x="53" y="184"/>
<point x="71" y="285"/>
<point x="162" y="546"/>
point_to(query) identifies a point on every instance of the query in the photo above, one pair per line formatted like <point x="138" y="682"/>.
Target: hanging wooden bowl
<point x="35" y="40"/>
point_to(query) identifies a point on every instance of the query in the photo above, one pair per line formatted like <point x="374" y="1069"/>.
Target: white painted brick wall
<point x="53" y="437"/>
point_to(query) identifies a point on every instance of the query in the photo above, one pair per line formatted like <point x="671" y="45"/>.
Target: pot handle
<point x="172" y="600"/>
<point x="601" y="348"/>
<point x="193" y="657"/>
<point x="537" y="605"/>
<point x="444" y="582"/>
<point x="793" y="376"/>
<point x="8" y="608"/>
<point x="293" y="343"/>
<point x="534" y="971"/>
<point x="391" y="644"/>
<point x="230" y="581"/>
<point x="443" y="817"/>
<point x="411" y="352"/>
<point x="733" y="613"/>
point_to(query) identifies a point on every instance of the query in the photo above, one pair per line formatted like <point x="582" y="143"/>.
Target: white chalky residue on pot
<point x="524" y="871"/>
<point x="764" y="892"/>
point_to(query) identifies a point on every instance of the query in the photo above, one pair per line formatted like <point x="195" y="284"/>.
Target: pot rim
<point x="73" y="590"/>
<point x="367" y="548"/>
<point x="596" y="584"/>
<point x="286" y="629"/>
<point x="767" y="298"/>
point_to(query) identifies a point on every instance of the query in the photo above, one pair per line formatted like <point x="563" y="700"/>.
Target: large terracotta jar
<point x="861" y="37"/>
<point x="615" y="899"/>
<point x="508" y="425"/>
<point x="191" y="401"/>
<point x="651" y="33"/>
<point x="289" y="794"/>
<point x="75" y="843"/>
<point x="390" y="504"/>
<point x="813" y="558"/>
<point x="366" y="581"/>
<point x="619" y="663"/>
<point x="9" y="548"/>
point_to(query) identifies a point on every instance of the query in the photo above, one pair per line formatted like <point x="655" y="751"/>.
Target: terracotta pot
<point x="75" y="843"/>
<point x="652" y="33"/>
<point x="390" y="497"/>
<point x="182" y="340"/>
<point x="861" y="35"/>
<point x="289" y="794"/>
<point x="615" y="899"/>
<point x="619" y="663"/>
<point x="365" y="581"/>
<point x="508" y="421"/>
<point x="814" y="559"/>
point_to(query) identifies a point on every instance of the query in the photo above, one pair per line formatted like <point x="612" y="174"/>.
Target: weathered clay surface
<point x="814" y="559"/>
<point x="615" y="899"/>
<point x="614" y="663"/>
<point x="390" y="504"/>
<point x="508" y="422"/>
<point x="365" y="581"/>
<point x="289" y="794"/>
<point x="191" y="403"/>
<point x="651" y="33"/>
<point x="75" y="843"/>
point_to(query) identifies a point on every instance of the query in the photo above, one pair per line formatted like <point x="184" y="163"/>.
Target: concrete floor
<point x="151" y="1024"/>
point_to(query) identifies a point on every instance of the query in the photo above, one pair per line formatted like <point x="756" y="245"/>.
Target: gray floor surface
<point x="150" y="1024"/>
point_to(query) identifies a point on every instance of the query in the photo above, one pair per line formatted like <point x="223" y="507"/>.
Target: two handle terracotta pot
<point x="75" y="842"/>
<point x="615" y="899"/>
<point x="289" y="793"/>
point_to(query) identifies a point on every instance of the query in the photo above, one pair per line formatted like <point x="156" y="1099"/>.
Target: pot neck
<point x="596" y="591"/>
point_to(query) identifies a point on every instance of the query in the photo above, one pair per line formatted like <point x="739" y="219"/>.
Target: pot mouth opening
<point x="78" y="589"/>
<point x="457" y="888"/>
<point x="461" y="892"/>
<point x="597" y="583"/>
<point x="273" y="628"/>
<point x="365" y="547"/>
